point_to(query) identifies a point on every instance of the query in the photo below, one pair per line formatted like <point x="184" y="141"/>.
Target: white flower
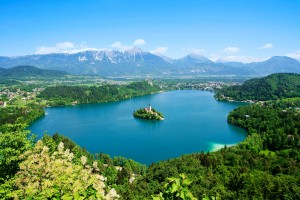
<point x="70" y="157"/>
<point x="60" y="147"/>
<point x="112" y="194"/>
<point x="101" y="178"/>
<point x="83" y="160"/>
<point x="45" y="150"/>
<point x="67" y="152"/>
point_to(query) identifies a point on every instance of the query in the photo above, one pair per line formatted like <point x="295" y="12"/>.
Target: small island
<point x="148" y="113"/>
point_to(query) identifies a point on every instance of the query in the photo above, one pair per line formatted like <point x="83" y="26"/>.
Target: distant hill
<point x="276" y="64"/>
<point x="136" y="62"/>
<point x="191" y="60"/>
<point x="275" y="86"/>
<point x="29" y="71"/>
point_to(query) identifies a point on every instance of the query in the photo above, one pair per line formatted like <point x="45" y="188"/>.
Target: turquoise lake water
<point x="194" y="122"/>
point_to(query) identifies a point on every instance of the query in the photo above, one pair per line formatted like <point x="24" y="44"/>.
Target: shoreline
<point x="212" y="146"/>
<point x="217" y="146"/>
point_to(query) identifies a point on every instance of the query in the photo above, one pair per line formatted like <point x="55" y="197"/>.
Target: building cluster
<point x="8" y="94"/>
<point x="209" y="86"/>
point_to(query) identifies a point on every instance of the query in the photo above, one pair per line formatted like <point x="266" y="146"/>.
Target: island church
<point x="148" y="109"/>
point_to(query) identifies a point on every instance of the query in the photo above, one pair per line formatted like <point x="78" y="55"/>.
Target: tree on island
<point x="148" y="113"/>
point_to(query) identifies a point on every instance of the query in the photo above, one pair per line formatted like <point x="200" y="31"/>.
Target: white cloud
<point x="65" y="47"/>
<point x="69" y="47"/>
<point x="58" y="48"/>
<point x="120" y="46"/>
<point x="194" y="50"/>
<point x="243" y="59"/>
<point x="267" y="46"/>
<point x="139" y="42"/>
<point x="295" y="55"/>
<point x="231" y="49"/>
<point x="116" y="45"/>
<point x="45" y="50"/>
<point x="77" y="50"/>
<point x="159" y="50"/>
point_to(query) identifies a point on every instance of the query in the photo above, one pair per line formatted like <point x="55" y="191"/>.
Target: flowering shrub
<point x="43" y="175"/>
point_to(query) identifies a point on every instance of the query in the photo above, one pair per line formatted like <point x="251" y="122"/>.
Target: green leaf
<point x="186" y="182"/>
<point x="158" y="197"/>
<point x="174" y="187"/>
<point x="67" y="197"/>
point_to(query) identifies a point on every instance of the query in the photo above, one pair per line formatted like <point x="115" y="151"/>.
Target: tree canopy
<point x="272" y="87"/>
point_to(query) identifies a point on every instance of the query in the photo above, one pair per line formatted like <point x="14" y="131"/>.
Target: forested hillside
<point x="20" y="115"/>
<point x="272" y="87"/>
<point x="278" y="122"/>
<point x="20" y="72"/>
<point x="64" y="95"/>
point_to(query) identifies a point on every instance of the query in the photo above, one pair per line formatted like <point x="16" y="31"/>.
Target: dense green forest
<point x="146" y="114"/>
<point x="264" y="166"/>
<point x="277" y="121"/>
<point x="65" y="95"/>
<point x="19" y="115"/>
<point x="275" y="86"/>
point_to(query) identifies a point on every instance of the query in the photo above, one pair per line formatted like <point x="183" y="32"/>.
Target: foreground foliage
<point x="239" y="172"/>
<point x="43" y="175"/>
<point x="176" y="188"/>
<point x="13" y="144"/>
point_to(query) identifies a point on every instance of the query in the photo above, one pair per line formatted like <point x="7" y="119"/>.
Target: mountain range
<point x="136" y="62"/>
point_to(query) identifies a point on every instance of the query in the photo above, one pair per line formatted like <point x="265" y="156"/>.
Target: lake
<point x="194" y="122"/>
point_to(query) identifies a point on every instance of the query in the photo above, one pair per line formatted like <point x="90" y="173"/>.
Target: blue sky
<point x="237" y="30"/>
